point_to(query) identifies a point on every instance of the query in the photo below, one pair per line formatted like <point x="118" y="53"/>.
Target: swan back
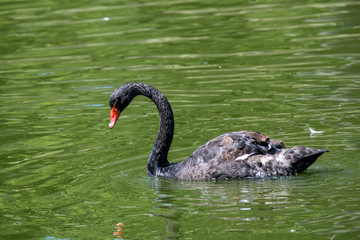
<point x="243" y="154"/>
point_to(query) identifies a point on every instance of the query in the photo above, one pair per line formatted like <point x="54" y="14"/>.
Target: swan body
<point x="232" y="155"/>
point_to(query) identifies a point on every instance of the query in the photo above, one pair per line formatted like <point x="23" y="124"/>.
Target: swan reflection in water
<point x="254" y="201"/>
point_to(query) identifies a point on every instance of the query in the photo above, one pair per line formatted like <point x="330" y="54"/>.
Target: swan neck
<point x="158" y="156"/>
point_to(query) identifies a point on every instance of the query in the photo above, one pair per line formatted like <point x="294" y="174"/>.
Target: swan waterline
<point x="240" y="154"/>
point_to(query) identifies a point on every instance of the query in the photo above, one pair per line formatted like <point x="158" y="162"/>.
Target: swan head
<point x="118" y="101"/>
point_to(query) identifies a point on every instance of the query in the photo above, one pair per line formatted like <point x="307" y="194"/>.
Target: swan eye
<point x="114" y="103"/>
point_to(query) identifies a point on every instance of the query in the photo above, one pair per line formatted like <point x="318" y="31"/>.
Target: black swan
<point x="232" y="155"/>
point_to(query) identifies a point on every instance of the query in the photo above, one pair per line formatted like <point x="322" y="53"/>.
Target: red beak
<point x="114" y="114"/>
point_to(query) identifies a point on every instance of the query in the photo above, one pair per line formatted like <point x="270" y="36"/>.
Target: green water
<point x="278" y="67"/>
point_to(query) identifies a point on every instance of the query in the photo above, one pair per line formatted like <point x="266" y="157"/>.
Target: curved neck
<point x="158" y="156"/>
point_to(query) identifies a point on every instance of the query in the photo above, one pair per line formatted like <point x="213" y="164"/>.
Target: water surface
<point x="276" y="67"/>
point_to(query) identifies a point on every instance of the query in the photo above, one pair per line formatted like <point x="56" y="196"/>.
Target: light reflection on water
<point x="279" y="68"/>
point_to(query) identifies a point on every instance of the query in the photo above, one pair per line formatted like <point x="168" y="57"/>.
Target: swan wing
<point x="231" y="146"/>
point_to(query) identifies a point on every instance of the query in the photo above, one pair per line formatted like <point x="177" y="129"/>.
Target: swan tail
<point x="300" y="158"/>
